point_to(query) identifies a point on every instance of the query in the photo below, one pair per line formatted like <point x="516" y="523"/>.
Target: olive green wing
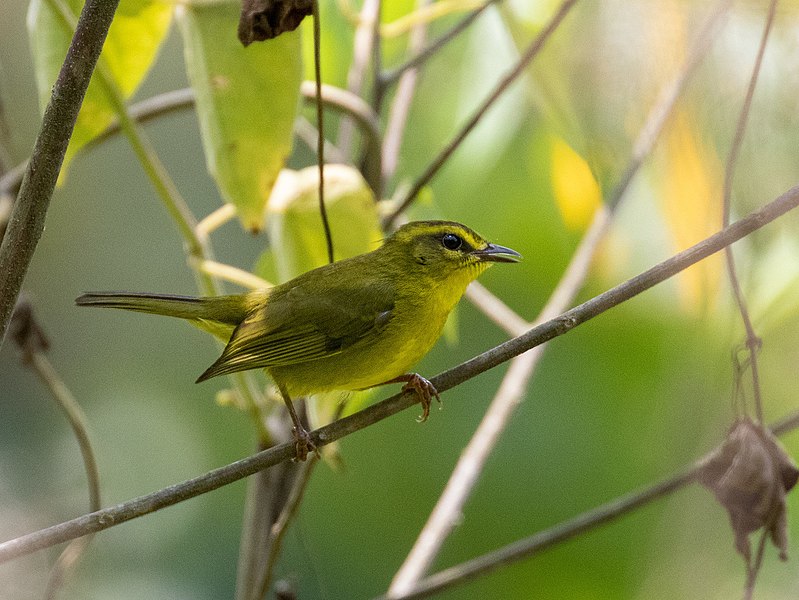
<point x="298" y="326"/>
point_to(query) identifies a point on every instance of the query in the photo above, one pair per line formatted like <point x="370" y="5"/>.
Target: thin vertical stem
<point x="752" y="340"/>
<point x="398" y="115"/>
<point x="320" y="126"/>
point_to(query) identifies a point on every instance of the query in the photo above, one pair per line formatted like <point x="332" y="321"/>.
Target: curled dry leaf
<point x="265" y="19"/>
<point x="750" y="475"/>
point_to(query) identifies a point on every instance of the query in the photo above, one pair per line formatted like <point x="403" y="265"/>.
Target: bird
<point x="349" y="325"/>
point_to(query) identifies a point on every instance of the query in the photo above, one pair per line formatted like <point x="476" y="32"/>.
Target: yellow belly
<point x="372" y="361"/>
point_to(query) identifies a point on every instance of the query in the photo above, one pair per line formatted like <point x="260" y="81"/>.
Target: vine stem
<point x="108" y="517"/>
<point x="30" y="209"/>
<point x="752" y="340"/>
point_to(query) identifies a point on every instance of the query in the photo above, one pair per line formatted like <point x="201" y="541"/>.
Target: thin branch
<point x="348" y="103"/>
<point x="308" y="135"/>
<point x="390" y="76"/>
<point x="536" y="336"/>
<point x="587" y="521"/>
<point x="27" y="220"/>
<point x="544" y="540"/>
<point x="529" y="54"/>
<point x="496" y="310"/>
<point x="752" y="340"/>
<point x="449" y="507"/>
<point x="354" y="106"/>
<point x="753" y="568"/>
<point x="33" y="344"/>
<point x="231" y="274"/>
<point x="279" y="529"/>
<point x="215" y="220"/>
<point x="447" y="512"/>
<point x="401" y="106"/>
<point x="174" y="101"/>
<point x="366" y="45"/>
<point x="267" y="493"/>
<point x="79" y="424"/>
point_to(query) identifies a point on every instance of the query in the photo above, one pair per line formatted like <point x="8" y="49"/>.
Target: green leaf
<point x="134" y="39"/>
<point x="295" y="226"/>
<point x="247" y="100"/>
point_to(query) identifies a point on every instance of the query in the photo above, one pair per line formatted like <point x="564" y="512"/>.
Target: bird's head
<point x="444" y="249"/>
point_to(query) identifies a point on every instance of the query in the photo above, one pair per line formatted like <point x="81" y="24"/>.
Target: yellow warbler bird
<point x="349" y="325"/>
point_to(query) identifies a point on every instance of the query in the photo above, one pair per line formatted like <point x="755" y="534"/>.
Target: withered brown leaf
<point x="265" y="19"/>
<point x="750" y="475"/>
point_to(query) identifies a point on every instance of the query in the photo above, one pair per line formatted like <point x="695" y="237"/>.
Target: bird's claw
<point x="302" y="444"/>
<point x="426" y="392"/>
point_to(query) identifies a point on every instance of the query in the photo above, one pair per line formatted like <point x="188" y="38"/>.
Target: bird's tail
<point x="223" y="310"/>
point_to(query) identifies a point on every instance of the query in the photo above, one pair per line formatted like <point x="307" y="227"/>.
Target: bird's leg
<point x="423" y="388"/>
<point x="302" y="440"/>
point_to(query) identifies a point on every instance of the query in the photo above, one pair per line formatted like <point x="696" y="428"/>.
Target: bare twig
<point x="366" y="46"/>
<point x="587" y="521"/>
<point x="108" y="517"/>
<point x="280" y="527"/>
<point x="167" y="103"/>
<point x="752" y="340"/>
<point x="27" y="220"/>
<point x="398" y="114"/>
<point x="389" y="76"/>
<point x="436" y="164"/>
<point x="496" y="310"/>
<point x="267" y="493"/>
<point x="33" y="344"/>
<point x="447" y="511"/>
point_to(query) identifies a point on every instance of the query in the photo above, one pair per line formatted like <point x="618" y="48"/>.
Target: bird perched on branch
<point x="350" y="325"/>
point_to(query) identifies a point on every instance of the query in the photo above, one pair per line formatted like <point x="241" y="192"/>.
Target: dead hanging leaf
<point x="265" y="19"/>
<point x="750" y="475"/>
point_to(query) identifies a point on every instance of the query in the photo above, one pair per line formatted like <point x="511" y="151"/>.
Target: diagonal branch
<point x="27" y="220"/>
<point x="587" y="521"/>
<point x="108" y="517"/>
<point x="529" y="54"/>
<point x="449" y="507"/>
<point x="390" y="76"/>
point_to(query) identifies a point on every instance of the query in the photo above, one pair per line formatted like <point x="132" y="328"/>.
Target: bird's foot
<point x="302" y="444"/>
<point x="424" y="389"/>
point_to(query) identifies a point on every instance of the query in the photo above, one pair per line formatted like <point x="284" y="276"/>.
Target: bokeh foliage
<point x="623" y="400"/>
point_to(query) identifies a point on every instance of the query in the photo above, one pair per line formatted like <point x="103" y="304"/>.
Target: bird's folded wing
<point x="299" y="327"/>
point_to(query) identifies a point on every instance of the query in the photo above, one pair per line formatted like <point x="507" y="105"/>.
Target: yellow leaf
<point x="135" y="36"/>
<point x="576" y="191"/>
<point x="692" y="184"/>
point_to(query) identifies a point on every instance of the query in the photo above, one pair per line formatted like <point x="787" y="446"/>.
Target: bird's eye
<point x="451" y="241"/>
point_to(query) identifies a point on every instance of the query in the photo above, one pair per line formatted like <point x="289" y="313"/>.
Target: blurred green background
<point x="624" y="400"/>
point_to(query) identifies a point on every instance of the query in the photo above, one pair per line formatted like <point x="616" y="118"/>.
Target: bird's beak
<point x="497" y="253"/>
